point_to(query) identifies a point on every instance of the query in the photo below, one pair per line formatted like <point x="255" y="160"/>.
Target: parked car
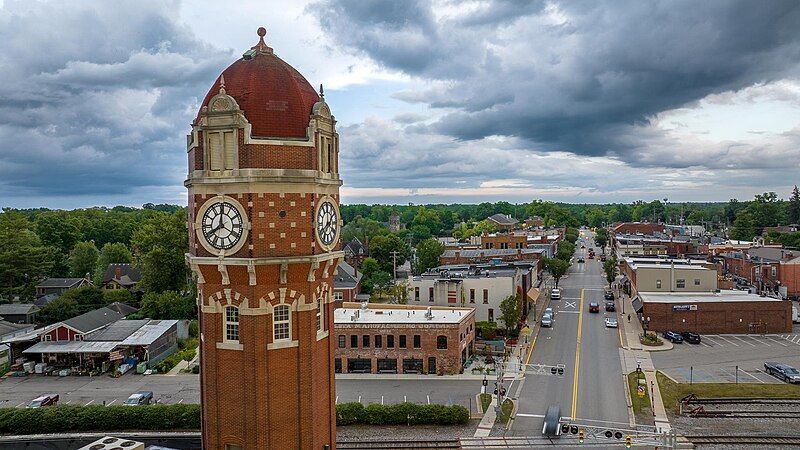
<point x="783" y="371"/>
<point x="139" y="398"/>
<point x="611" y="322"/>
<point x="548" y="312"/>
<point x="594" y="307"/>
<point x="581" y="260"/>
<point x="44" y="400"/>
<point x="610" y="307"/>
<point x="692" y="338"/>
<point x="673" y="337"/>
<point x="555" y="294"/>
<point x="603" y="258"/>
<point x="608" y="295"/>
<point x="591" y="255"/>
<point x="547" y="321"/>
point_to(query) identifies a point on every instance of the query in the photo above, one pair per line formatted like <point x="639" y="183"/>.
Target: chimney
<point x="117" y="271"/>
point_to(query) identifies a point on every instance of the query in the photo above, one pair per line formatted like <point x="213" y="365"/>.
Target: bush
<point x="74" y="418"/>
<point x="194" y="329"/>
<point x="400" y="414"/>
<point x="486" y="329"/>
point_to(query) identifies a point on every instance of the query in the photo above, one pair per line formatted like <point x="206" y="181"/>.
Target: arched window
<point x="441" y="342"/>
<point x="231" y="324"/>
<point x="280" y="323"/>
<point x="320" y="313"/>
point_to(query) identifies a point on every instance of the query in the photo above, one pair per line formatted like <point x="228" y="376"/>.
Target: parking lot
<point x="729" y="358"/>
<point x="185" y="388"/>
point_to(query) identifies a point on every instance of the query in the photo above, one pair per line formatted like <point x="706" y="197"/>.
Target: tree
<point x="24" y="260"/>
<point x="611" y="269"/>
<point x="793" y="210"/>
<point x="381" y="282"/>
<point x="601" y="238"/>
<point x="565" y="250"/>
<point x="168" y="305"/>
<point x="362" y="228"/>
<point x="381" y="248"/>
<point x="744" y="227"/>
<point x="83" y="259"/>
<point x="159" y="247"/>
<point x="111" y="253"/>
<point x="59" y="230"/>
<point x="510" y="312"/>
<point x="429" y="219"/>
<point x="428" y="253"/>
<point x="556" y="267"/>
<point x="118" y="296"/>
<point x="58" y="310"/>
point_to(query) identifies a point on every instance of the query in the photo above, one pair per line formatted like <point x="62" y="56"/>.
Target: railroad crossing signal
<point x="640" y="391"/>
<point x="628" y="441"/>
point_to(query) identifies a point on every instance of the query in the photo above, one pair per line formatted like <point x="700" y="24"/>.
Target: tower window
<point x="319" y="314"/>
<point x="280" y="323"/>
<point x="232" y="323"/>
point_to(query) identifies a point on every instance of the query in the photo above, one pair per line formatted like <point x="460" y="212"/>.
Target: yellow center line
<point x="530" y="351"/>
<point x="576" y="374"/>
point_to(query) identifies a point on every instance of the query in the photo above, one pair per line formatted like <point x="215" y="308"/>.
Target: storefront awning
<point x="533" y="294"/>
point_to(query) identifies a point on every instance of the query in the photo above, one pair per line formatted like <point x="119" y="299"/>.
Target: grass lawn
<point x="641" y="405"/>
<point x="672" y="392"/>
<point x="505" y="410"/>
<point x="486" y="400"/>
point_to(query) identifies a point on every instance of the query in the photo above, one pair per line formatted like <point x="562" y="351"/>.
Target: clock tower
<point x="264" y="229"/>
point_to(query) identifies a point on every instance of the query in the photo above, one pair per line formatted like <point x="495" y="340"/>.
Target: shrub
<point x="349" y="413"/>
<point x="194" y="329"/>
<point x="400" y="414"/>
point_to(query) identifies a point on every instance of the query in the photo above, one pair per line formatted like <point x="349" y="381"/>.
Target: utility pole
<point x="394" y="265"/>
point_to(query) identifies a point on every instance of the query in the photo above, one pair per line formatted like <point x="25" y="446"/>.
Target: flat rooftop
<point x="704" y="297"/>
<point x="399" y="314"/>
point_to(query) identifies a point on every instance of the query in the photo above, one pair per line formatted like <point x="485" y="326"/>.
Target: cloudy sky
<point x="437" y="101"/>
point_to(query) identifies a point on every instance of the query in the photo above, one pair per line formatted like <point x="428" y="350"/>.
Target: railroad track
<point x="443" y="444"/>
<point x="747" y="414"/>
<point x="743" y="401"/>
<point x="745" y="440"/>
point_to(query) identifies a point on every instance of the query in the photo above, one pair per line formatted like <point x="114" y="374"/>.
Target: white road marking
<point x="569" y="312"/>
<point x="726" y="340"/>
<point x="381" y="399"/>
<point x="180" y="401"/>
<point x="19" y="405"/>
<point x="751" y="376"/>
<point x="530" y="415"/>
<point x="429" y="399"/>
<point x="748" y="343"/>
<point x="569" y="304"/>
<point x="359" y="399"/>
<point x="779" y="342"/>
<point x="404" y="399"/>
<point x="112" y="402"/>
<point x="89" y="403"/>
<point x="704" y="343"/>
<point x="713" y="341"/>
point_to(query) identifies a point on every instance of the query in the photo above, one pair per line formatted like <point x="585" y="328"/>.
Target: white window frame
<point x="338" y="295"/>
<point x="229" y="325"/>
<point x="320" y="315"/>
<point x="287" y="322"/>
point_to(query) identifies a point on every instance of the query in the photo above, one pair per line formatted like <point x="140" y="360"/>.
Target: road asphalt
<point x="580" y="341"/>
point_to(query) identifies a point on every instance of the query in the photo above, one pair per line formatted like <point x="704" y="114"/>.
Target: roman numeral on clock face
<point x="222" y="225"/>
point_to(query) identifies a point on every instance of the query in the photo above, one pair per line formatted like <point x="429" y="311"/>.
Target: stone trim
<point x="196" y="261"/>
<point x="263" y="180"/>
<point x="229" y="345"/>
<point x="198" y="227"/>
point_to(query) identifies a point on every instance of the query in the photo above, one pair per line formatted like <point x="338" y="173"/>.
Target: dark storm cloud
<point x="91" y="94"/>
<point x="572" y="75"/>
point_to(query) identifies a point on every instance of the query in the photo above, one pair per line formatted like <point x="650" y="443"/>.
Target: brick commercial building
<point x="715" y="312"/>
<point x="264" y="229"/>
<point x="789" y="277"/>
<point x="644" y="228"/>
<point x="489" y="255"/>
<point x="378" y="338"/>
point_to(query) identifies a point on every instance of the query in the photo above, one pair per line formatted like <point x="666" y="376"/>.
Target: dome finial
<point x="321" y="92"/>
<point x="262" y="46"/>
<point x="222" y="84"/>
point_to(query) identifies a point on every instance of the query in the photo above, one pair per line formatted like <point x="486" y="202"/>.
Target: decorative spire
<point x="321" y="92"/>
<point x="222" y="84"/>
<point x="261" y="47"/>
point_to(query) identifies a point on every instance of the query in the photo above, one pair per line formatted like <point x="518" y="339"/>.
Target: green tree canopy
<point x="556" y="267"/>
<point x="111" y="253"/>
<point x="428" y="253"/>
<point x="611" y="269"/>
<point x="601" y="237"/>
<point x="364" y="229"/>
<point x="793" y="210"/>
<point x="510" y="312"/>
<point x="381" y="248"/>
<point x="24" y="260"/>
<point x="159" y="247"/>
<point x="168" y="305"/>
<point x="83" y="259"/>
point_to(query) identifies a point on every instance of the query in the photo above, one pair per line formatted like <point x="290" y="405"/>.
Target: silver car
<point x="547" y="321"/>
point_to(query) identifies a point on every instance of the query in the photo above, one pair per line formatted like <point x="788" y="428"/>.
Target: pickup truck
<point x="44" y="400"/>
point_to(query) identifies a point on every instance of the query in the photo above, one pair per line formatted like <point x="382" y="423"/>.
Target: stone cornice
<point x="195" y="261"/>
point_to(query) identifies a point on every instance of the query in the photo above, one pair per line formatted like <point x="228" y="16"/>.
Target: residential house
<point x="60" y="285"/>
<point x="346" y="282"/>
<point x="121" y="276"/>
<point x="355" y="252"/>
<point x="18" y="312"/>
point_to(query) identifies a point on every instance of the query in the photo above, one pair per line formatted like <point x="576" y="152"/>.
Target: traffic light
<point x="628" y="441"/>
<point x="581" y="435"/>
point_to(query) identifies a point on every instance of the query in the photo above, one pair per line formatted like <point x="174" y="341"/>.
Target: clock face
<point x="327" y="223"/>
<point x="222" y="225"/>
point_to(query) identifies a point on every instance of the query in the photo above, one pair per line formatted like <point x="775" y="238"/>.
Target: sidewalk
<point x="637" y="355"/>
<point x="487" y="423"/>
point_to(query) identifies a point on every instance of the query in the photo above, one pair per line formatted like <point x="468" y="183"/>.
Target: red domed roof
<point x="276" y="99"/>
